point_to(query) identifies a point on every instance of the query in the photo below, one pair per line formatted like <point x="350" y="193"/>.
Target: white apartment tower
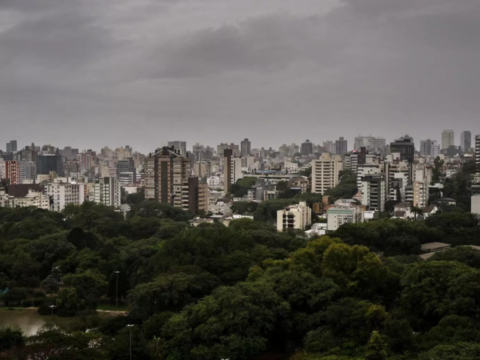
<point x="294" y="217"/>
<point x="63" y="194"/>
<point x="108" y="191"/>
<point x="325" y="172"/>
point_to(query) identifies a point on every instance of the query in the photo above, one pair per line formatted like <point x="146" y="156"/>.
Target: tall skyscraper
<point x="245" y="147"/>
<point x="405" y="146"/>
<point x="448" y="139"/>
<point x="466" y="140"/>
<point x="179" y="145"/>
<point x="12" y="146"/>
<point x="306" y="148"/>
<point x="341" y="146"/>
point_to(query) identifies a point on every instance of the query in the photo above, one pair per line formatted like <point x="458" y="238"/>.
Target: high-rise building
<point x="341" y="146"/>
<point x="448" y="139"/>
<point x="405" y="147"/>
<point x="180" y="146"/>
<point x="12" y="172"/>
<point x="12" y="146"/>
<point x="28" y="171"/>
<point x="477" y="153"/>
<point x="168" y="180"/>
<point x="47" y="163"/>
<point x="466" y="140"/>
<point x="166" y="172"/>
<point x="325" y="172"/>
<point x="426" y="147"/>
<point x="435" y="149"/>
<point x="70" y="154"/>
<point x="108" y="191"/>
<point x="232" y="169"/>
<point x="224" y="146"/>
<point x="372" y="144"/>
<point x="306" y="148"/>
<point x="294" y="217"/>
<point x="329" y="146"/>
<point x="127" y="166"/>
<point x="246" y="146"/>
<point x="373" y="192"/>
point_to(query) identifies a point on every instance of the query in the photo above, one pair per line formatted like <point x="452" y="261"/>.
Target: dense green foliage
<point x="240" y="188"/>
<point x="347" y="187"/>
<point x="216" y="292"/>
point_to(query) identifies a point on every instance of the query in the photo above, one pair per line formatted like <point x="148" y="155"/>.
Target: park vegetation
<point x="239" y="292"/>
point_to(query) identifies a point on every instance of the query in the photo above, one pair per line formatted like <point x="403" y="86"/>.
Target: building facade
<point x="405" y="147"/>
<point x="306" y="148"/>
<point x="337" y="217"/>
<point x="294" y="217"/>
<point x="448" y="139"/>
<point x="62" y="194"/>
<point x="341" y="146"/>
<point x="12" y="172"/>
<point x="108" y="191"/>
<point x="246" y="147"/>
<point x="373" y="192"/>
<point x="325" y="172"/>
<point x="466" y="140"/>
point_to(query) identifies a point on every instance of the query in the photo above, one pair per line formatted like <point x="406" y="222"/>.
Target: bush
<point x="14" y="297"/>
<point x="33" y="302"/>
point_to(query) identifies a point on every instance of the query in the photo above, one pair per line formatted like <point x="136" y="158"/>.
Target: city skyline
<point x="254" y="144"/>
<point x="146" y="72"/>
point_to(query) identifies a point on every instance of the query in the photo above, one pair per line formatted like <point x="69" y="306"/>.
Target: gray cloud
<point x="90" y="73"/>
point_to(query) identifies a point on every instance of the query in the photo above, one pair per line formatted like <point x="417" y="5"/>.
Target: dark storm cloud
<point x="145" y="71"/>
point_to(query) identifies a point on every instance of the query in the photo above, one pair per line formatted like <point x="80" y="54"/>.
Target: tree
<point x="50" y="285"/>
<point x="90" y="285"/>
<point x="459" y="351"/>
<point x="416" y="211"/>
<point x="435" y="289"/>
<point x="170" y="292"/>
<point x="10" y="338"/>
<point x="230" y="323"/>
<point x="376" y="348"/>
<point x="136" y="198"/>
<point x="437" y="169"/>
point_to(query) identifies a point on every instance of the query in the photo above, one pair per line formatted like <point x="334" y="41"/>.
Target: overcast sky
<point x="89" y="73"/>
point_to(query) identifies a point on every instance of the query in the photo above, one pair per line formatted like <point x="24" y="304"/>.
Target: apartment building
<point x="12" y="172"/>
<point x="294" y="217"/>
<point x="65" y="193"/>
<point x="107" y="191"/>
<point x="325" y="172"/>
<point x="373" y="192"/>
<point x="232" y="169"/>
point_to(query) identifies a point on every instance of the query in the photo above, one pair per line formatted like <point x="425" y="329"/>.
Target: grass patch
<point x="112" y="307"/>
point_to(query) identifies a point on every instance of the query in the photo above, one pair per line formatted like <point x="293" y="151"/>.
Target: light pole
<point x="130" y="327"/>
<point x="116" y="289"/>
<point x="52" y="307"/>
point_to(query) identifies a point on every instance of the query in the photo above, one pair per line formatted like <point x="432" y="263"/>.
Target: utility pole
<point x="130" y="327"/>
